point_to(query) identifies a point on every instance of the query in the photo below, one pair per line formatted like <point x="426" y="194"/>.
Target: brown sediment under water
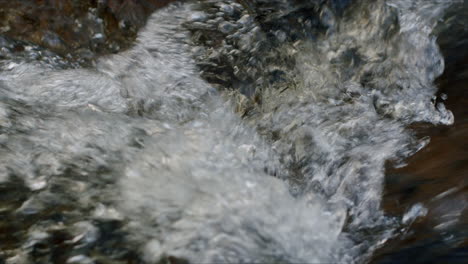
<point x="76" y="30"/>
<point x="437" y="176"/>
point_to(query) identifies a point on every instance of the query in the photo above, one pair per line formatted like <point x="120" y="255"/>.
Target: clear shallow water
<point x="221" y="138"/>
<point x="435" y="176"/>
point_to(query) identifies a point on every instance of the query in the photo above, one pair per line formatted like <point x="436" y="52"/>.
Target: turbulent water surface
<point x="231" y="132"/>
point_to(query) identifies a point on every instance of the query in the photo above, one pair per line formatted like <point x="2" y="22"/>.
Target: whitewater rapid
<point x="281" y="159"/>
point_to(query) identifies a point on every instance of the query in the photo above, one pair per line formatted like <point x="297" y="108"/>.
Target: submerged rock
<point x="67" y="27"/>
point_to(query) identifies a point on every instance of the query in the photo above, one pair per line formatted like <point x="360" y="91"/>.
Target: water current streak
<point x="250" y="132"/>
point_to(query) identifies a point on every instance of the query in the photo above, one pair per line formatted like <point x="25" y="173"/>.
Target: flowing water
<point x="231" y="132"/>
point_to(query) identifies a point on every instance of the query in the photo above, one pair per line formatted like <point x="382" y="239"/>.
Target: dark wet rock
<point x="75" y="30"/>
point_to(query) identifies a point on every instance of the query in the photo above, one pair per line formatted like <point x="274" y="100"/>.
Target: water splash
<point x="142" y="140"/>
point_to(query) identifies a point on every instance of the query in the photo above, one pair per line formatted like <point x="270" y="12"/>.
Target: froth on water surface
<point x="247" y="132"/>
